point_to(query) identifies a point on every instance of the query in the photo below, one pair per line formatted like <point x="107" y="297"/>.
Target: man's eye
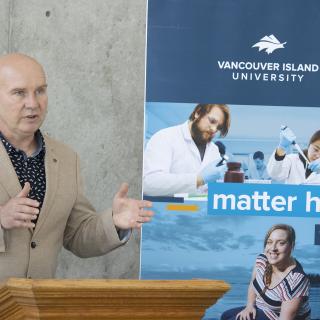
<point x="19" y="93"/>
<point x="41" y="91"/>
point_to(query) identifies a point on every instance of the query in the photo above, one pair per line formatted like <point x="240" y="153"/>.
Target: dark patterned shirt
<point x="29" y="169"/>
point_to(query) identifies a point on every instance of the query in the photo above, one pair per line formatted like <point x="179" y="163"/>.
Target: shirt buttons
<point x="33" y="244"/>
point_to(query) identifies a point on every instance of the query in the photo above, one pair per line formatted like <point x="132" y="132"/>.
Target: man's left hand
<point x="129" y="213"/>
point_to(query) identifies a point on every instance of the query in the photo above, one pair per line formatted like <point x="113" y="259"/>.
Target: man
<point x="181" y="159"/>
<point x="42" y="205"/>
<point x="259" y="172"/>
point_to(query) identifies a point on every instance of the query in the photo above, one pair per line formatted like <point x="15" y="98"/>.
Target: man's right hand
<point x="211" y="172"/>
<point x="19" y="211"/>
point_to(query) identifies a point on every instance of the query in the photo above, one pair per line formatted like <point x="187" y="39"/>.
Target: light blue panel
<point x="263" y="200"/>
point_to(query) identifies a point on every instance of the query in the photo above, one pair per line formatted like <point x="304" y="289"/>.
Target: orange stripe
<point x="182" y="207"/>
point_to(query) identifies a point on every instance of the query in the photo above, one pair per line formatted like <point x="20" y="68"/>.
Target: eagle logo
<point x="269" y="43"/>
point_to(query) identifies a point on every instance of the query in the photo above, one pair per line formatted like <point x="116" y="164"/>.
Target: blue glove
<point x="287" y="137"/>
<point x="314" y="166"/>
<point x="212" y="173"/>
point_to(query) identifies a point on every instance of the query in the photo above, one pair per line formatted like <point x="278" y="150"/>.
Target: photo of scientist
<point x="259" y="170"/>
<point x="183" y="158"/>
<point x="295" y="168"/>
<point x="279" y="288"/>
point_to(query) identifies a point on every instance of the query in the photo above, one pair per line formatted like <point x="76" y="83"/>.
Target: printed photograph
<point x="187" y="245"/>
<point x="189" y="145"/>
<point x="233" y="145"/>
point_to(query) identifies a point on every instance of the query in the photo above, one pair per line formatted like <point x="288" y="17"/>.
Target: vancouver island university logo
<point x="269" y="43"/>
<point x="267" y="71"/>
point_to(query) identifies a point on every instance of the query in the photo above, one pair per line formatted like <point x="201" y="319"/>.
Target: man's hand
<point x="211" y="173"/>
<point x="129" y="213"/>
<point x="19" y="211"/>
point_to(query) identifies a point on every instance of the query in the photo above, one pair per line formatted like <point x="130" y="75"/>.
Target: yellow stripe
<point x="182" y="207"/>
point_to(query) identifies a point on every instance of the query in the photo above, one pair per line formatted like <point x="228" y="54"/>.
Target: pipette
<point x="300" y="152"/>
<point x="298" y="148"/>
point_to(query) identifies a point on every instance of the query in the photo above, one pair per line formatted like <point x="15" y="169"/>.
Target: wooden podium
<point x="108" y="299"/>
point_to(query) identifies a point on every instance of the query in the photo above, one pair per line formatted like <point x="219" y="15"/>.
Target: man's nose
<point x="214" y="128"/>
<point x="31" y="101"/>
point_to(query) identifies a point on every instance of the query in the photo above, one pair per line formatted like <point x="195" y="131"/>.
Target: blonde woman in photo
<point x="279" y="288"/>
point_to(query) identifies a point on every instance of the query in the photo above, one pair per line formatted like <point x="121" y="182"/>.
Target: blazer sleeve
<point x="2" y="233"/>
<point x="87" y="233"/>
<point x="2" y="243"/>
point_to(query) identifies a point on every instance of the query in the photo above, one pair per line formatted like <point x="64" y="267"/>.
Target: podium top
<point x="108" y="299"/>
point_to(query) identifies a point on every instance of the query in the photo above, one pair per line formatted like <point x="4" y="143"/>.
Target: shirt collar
<point x="39" y="141"/>
<point x="186" y="131"/>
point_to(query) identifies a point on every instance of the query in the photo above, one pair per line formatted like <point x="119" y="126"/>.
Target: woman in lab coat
<point x="293" y="168"/>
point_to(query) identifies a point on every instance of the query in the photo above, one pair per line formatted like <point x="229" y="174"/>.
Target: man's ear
<point x="196" y="115"/>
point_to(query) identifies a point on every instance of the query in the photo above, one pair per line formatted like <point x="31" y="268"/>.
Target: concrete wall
<point x="93" y="52"/>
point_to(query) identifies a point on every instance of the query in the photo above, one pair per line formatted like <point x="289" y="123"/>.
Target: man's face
<point x="204" y="129"/>
<point x="259" y="163"/>
<point x="23" y="98"/>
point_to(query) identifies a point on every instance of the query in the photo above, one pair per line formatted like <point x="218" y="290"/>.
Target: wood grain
<point x="108" y="299"/>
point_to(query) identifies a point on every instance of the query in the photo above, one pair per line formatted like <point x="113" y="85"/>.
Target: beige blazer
<point x="66" y="218"/>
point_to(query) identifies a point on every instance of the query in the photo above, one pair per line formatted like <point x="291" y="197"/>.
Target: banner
<point x="232" y="147"/>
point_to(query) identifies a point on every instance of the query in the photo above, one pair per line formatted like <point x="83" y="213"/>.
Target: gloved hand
<point x="212" y="173"/>
<point x="314" y="166"/>
<point x="287" y="137"/>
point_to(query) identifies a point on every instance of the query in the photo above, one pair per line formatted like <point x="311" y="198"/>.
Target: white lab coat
<point x="172" y="162"/>
<point x="258" y="174"/>
<point x="291" y="170"/>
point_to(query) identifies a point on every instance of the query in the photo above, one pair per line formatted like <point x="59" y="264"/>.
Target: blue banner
<point x="232" y="95"/>
<point x="237" y="52"/>
<point x="263" y="200"/>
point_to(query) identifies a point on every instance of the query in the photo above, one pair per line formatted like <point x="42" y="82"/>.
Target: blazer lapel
<point x="51" y="167"/>
<point x="8" y="177"/>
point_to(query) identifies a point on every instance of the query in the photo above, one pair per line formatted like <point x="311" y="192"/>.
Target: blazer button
<point x="33" y="244"/>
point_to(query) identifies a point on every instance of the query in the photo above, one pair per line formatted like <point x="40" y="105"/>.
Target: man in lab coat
<point x="259" y="171"/>
<point x="182" y="158"/>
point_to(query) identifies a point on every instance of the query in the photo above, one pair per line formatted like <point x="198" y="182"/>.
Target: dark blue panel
<point x="163" y="199"/>
<point x="186" y="38"/>
<point x="317" y="234"/>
